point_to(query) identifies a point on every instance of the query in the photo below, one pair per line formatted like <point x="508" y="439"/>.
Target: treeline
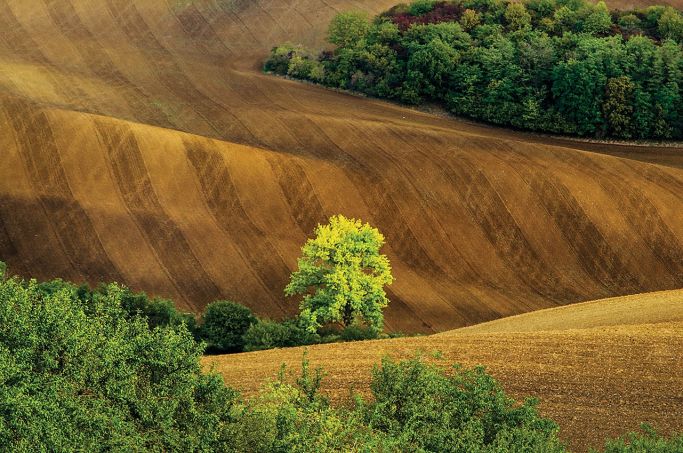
<point x="224" y="326"/>
<point x="81" y="370"/>
<point x="559" y="66"/>
<point x="340" y="278"/>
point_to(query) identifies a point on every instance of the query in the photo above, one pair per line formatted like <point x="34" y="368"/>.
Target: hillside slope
<point x="594" y="381"/>
<point x="141" y="144"/>
<point x="648" y="308"/>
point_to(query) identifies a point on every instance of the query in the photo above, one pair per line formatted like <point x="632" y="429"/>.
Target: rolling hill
<point x="140" y="143"/>
<point x="599" y="368"/>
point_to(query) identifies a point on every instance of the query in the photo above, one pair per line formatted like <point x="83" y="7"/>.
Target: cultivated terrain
<point x="599" y="368"/>
<point x="140" y="143"/>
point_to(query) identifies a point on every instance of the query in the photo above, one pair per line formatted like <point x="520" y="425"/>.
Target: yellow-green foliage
<point x="342" y="275"/>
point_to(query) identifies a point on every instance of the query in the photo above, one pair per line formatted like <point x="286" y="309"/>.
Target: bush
<point x="224" y="324"/>
<point x="647" y="441"/>
<point x="465" y="410"/>
<point x="77" y="373"/>
<point x="358" y="333"/>
<point x="266" y="334"/>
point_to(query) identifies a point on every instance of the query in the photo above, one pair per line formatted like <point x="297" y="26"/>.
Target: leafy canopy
<point x="224" y="324"/>
<point x="342" y="275"/>
<point x="79" y="374"/>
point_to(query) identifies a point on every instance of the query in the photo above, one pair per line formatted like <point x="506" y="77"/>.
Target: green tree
<point x="342" y="275"/>
<point x="618" y="106"/>
<point x="78" y="374"/>
<point x="598" y="20"/>
<point x="670" y="25"/>
<point x="470" y="19"/>
<point x="349" y="29"/>
<point x="516" y="16"/>
<point x="224" y="324"/>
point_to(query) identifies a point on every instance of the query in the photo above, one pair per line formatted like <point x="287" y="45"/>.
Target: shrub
<point x="465" y="410"/>
<point x="78" y="374"/>
<point x="420" y="7"/>
<point x="266" y="334"/>
<point x="278" y="61"/>
<point x="349" y="29"/>
<point x="224" y="324"/>
<point x="670" y="25"/>
<point x="647" y="441"/>
<point x="358" y="333"/>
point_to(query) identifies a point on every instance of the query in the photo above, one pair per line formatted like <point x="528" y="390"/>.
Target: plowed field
<point x="140" y="143"/>
<point x="599" y="368"/>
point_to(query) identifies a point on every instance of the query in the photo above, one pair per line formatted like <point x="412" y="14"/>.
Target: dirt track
<point x="595" y="377"/>
<point x="140" y="143"/>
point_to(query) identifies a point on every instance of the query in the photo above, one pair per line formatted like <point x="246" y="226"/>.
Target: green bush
<point x="79" y="374"/>
<point x="358" y="333"/>
<point x="266" y="334"/>
<point x="420" y="7"/>
<point x="278" y="61"/>
<point x="464" y="410"/>
<point x="224" y="324"/>
<point x="647" y="441"/>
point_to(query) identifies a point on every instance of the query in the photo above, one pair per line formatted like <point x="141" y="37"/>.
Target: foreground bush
<point x="464" y="410"/>
<point x="647" y="441"/>
<point x="570" y="67"/>
<point x="79" y="374"/>
<point x="224" y="324"/>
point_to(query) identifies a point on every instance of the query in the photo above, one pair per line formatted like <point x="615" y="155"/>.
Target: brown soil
<point x="595" y="378"/>
<point x="140" y="143"/>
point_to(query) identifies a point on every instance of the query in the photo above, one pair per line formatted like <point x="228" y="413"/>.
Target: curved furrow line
<point x="67" y="20"/>
<point x="171" y="75"/>
<point x="8" y="249"/>
<point x="438" y="154"/>
<point x="42" y="161"/>
<point x="594" y="251"/>
<point x="199" y="30"/>
<point x="21" y="43"/>
<point x="542" y="182"/>
<point x="221" y="197"/>
<point x="645" y="220"/>
<point x="502" y="230"/>
<point x="403" y="136"/>
<point x="221" y="10"/>
<point x="304" y="203"/>
<point x="173" y="252"/>
<point x="485" y="218"/>
<point x="31" y="234"/>
<point x="659" y="177"/>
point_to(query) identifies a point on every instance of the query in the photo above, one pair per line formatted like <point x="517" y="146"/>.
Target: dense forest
<point x="558" y="66"/>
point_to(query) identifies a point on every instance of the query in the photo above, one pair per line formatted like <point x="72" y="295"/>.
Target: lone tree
<point x="342" y="275"/>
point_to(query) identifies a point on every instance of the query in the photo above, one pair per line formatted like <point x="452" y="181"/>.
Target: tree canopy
<point x="79" y="374"/>
<point x="570" y="67"/>
<point x="342" y="275"/>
